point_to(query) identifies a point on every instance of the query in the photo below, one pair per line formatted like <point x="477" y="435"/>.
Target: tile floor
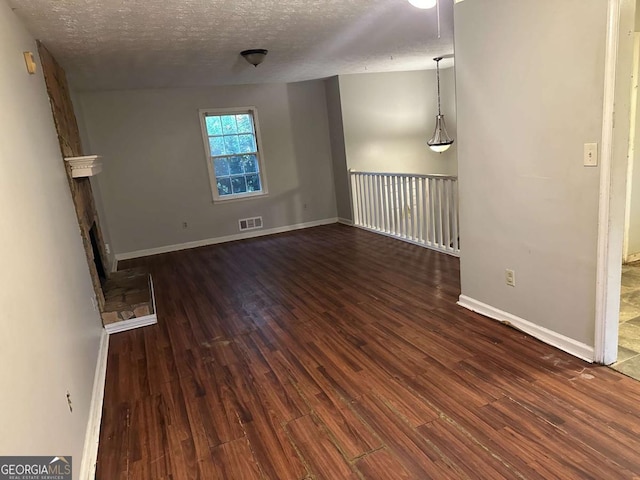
<point x="629" y="334"/>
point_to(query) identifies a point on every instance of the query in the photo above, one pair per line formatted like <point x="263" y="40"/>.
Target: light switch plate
<point x="590" y="154"/>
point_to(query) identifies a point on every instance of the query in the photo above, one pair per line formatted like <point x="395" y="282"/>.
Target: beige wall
<point x="155" y="175"/>
<point x="338" y="152"/>
<point x="50" y="332"/>
<point x="530" y="81"/>
<point x="389" y="117"/>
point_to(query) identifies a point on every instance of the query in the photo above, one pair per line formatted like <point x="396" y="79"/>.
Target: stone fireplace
<point x="125" y="299"/>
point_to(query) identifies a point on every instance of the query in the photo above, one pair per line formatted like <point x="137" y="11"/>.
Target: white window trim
<point x="203" y="112"/>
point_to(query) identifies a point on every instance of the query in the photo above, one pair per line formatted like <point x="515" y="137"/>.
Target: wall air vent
<point x="250" y="223"/>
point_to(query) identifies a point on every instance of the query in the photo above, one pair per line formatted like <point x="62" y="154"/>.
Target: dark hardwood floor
<point x="335" y="353"/>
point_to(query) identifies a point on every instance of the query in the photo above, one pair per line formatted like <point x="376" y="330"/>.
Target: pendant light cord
<point x="438" y="81"/>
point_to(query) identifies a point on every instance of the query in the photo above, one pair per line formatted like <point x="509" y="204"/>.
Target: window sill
<point x="240" y="198"/>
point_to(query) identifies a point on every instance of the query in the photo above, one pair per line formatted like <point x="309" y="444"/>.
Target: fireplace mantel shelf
<point x="86" y="166"/>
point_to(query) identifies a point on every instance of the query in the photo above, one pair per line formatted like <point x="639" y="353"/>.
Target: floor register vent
<point x="250" y="223"/>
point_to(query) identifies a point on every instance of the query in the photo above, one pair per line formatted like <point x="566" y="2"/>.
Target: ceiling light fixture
<point x="424" y="4"/>
<point x="440" y="141"/>
<point x="254" y="56"/>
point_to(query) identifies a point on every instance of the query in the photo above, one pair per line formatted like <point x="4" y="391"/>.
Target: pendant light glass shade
<point x="424" y="4"/>
<point x="255" y="56"/>
<point x="440" y="141"/>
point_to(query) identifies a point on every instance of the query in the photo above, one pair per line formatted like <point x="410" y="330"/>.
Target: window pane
<point x="216" y="144"/>
<point x="239" y="184"/>
<point x="235" y="166"/>
<point x="214" y="127"/>
<point x="229" y="124"/>
<point x="224" y="186"/>
<point x="231" y="144"/>
<point x="221" y="167"/>
<point x="244" y="123"/>
<point x="246" y="143"/>
<point x="253" y="183"/>
<point x="250" y="163"/>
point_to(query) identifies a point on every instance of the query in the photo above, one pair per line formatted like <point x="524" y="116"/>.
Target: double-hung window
<point x="234" y="160"/>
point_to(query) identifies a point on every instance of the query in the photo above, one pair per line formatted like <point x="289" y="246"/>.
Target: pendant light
<point x="440" y="141"/>
<point x="423" y="4"/>
<point x="426" y="5"/>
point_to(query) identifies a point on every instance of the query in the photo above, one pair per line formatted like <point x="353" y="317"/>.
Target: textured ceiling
<point x="114" y="44"/>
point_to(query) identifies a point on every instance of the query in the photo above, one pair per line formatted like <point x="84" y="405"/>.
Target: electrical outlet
<point x="510" y="277"/>
<point x="184" y="225"/>
<point x="107" y="248"/>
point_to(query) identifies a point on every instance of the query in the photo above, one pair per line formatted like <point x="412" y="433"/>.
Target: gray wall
<point x="529" y="81"/>
<point x="389" y="117"/>
<point x="50" y="332"/>
<point x="155" y="175"/>
<point x="338" y="152"/>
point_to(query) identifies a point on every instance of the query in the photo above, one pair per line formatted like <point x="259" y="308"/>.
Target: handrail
<point x="412" y="175"/>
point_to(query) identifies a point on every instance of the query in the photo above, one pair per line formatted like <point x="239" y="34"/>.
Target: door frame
<point x="613" y="170"/>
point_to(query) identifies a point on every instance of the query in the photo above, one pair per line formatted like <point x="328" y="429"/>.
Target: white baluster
<point x="374" y="195"/>
<point x="405" y="214"/>
<point x="381" y="199"/>
<point x="392" y="218"/>
<point x="356" y="200"/>
<point x="410" y="223"/>
<point x="432" y="212"/>
<point x="363" y="201"/>
<point x="440" y="215"/>
<point x="365" y="191"/>
<point x="396" y="208"/>
<point x="454" y="217"/>
<point x="446" y="183"/>
<point x="422" y="213"/>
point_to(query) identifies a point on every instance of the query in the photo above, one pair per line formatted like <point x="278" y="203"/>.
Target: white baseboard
<point x="569" y="345"/>
<point x="228" y="238"/>
<point x="345" y="221"/>
<point x="633" y="257"/>
<point x="92" y="436"/>
<point x="114" y="264"/>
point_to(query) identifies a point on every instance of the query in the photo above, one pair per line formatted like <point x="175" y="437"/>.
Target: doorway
<point x="614" y="291"/>
<point x="628" y="359"/>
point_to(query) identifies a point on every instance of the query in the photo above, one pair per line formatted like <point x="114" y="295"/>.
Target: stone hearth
<point x="129" y="301"/>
